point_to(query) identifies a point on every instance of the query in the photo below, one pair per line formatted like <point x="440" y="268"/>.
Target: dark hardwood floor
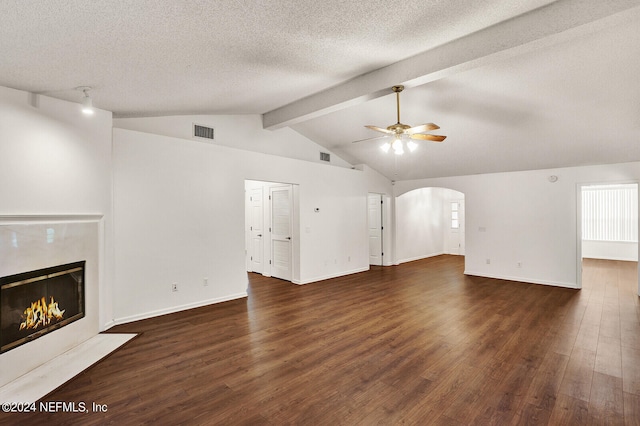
<point x="419" y="343"/>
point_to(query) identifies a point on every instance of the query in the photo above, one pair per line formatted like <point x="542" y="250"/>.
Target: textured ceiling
<point x="154" y="57"/>
<point x="574" y="103"/>
<point x="565" y="94"/>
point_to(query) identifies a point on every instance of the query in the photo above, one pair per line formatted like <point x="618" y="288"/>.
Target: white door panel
<point x="256" y="230"/>
<point x="375" y="228"/>
<point x="281" y="254"/>
<point x="281" y="230"/>
<point x="455" y="225"/>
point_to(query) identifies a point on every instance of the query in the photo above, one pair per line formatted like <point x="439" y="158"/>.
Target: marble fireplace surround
<point x="35" y="242"/>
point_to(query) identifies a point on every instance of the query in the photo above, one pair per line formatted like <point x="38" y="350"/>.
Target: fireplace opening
<point x="35" y="303"/>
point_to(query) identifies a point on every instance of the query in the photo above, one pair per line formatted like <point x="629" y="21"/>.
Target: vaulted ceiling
<point x="514" y="85"/>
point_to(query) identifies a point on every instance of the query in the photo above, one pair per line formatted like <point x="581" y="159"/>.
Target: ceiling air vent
<point x="325" y="156"/>
<point x="202" y="132"/>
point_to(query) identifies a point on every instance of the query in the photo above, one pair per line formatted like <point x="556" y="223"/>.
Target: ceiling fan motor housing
<point x="398" y="128"/>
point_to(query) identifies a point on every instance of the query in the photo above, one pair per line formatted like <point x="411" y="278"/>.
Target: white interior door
<point x="456" y="227"/>
<point x="461" y="230"/>
<point x="256" y="247"/>
<point x="375" y="229"/>
<point x="281" y="252"/>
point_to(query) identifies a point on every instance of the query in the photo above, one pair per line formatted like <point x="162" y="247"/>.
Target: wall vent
<point x="203" y="132"/>
<point x="325" y="156"/>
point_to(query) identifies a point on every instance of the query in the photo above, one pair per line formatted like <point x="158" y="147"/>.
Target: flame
<point x="41" y="314"/>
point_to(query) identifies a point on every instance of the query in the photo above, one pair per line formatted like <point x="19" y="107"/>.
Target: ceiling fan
<point x="401" y="131"/>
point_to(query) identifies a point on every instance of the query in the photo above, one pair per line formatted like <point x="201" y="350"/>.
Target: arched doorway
<point x="429" y="222"/>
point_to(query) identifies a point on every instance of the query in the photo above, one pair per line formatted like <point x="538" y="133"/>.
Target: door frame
<point x="579" y="187"/>
<point x="381" y="205"/>
<point x="295" y="223"/>
<point x="250" y="248"/>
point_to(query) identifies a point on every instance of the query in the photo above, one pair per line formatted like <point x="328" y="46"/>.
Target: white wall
<point x="419" y="224"/>
<point x="523" y="217"/>
<point x="235" y="131"/>
<point x="54" y="160"/>
<point x="179" y="209"/>
<point x="56" y="163"/>
<point x="376" y="182"/>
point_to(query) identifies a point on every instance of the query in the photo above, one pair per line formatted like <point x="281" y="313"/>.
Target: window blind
<point x="610" y="213"/>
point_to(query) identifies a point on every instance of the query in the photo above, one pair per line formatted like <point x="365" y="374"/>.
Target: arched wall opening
<point x="429" y="222"/>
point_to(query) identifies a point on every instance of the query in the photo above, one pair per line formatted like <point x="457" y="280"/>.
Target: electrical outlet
<point x="488" y="261"/>
<point x="174" y="287"/>
<point x="205" y="282"/>
<point x="519" y="264"/>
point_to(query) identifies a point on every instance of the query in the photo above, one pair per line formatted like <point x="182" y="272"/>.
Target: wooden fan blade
<point x="370" y="139"/>
<point x="432" y="138"/>
<point x="422" y="128"/>
<point x="379" y="129"/>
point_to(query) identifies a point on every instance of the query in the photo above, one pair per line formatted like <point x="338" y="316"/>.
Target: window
<point x="51" y="235"/>
<point x="455" y="219"/>
<point x="610" y="213"/>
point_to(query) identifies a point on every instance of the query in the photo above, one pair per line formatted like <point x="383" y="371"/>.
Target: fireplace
<point x="38" y="302"/>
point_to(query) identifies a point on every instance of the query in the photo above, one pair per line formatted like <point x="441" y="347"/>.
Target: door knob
<point x="288" y="238"/>
<point x="259" y="235"/>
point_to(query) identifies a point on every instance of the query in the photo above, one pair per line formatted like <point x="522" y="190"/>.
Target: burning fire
<point x="41" y="314"/>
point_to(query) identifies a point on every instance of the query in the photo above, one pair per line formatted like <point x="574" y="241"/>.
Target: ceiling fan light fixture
<point x="412" y="145"/>
<point x="385" y="147"/>
<point x="397" y="146"/>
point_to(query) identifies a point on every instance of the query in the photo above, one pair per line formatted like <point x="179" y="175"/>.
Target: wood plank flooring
<point x="419" y="343"/>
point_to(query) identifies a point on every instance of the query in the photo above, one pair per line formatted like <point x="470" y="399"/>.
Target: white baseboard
<point x="411" y="259"/>
<point x="327" y="277"/>
<point x="179" y="308"/>
<point x="108" y="325"/>
<point x="522" y="279"/>
<point x="620" y="258"/>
